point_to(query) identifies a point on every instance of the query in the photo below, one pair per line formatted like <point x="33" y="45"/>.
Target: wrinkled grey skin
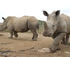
<point x="64" y="40"/>
<point x="57" y="26"/>
<point x="22" y="24"/>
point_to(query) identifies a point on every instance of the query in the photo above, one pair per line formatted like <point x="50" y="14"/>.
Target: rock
<point x="44" y="50"/>
<point x="1" y="34"/>
<point x="67" y="52"/>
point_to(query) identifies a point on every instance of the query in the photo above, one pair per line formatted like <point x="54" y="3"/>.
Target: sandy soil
<point x="23" y="46"/>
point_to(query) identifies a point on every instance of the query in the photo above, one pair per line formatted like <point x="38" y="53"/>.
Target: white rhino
<point x="64" y="41"/>
<point x="21" y="24"/>
<point x="57" y="26"/>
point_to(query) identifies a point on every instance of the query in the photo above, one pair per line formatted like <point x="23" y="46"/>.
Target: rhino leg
<point x="55" y="45"/>
<point x="15" y="34"/>
<point x="63" y="40"/>
<point x="35" y="35"/>
<point x="11" y="34"/>
<point x="67" y="40"/>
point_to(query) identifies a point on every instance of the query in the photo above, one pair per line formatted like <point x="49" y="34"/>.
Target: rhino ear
<point x="3" y="18"/>
<point x="45" y="13"/>
<point x="57" y="12"/>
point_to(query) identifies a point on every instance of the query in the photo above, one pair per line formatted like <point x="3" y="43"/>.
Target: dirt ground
<point x="23" y="46"/>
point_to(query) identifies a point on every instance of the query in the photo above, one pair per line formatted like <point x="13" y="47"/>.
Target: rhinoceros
<point x="57" y="26"/>
<point x="20" y="24"/>
<point x="64" y="41"/>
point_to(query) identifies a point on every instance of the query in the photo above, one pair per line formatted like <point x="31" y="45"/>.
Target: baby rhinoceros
<point x="22" y="24"/>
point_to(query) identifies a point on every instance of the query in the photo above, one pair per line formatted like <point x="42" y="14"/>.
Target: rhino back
<point x="33" y="23"/>
<point x="67" y="19"/>
<point x="23" y="24"/>
<point x="18" y="24"/>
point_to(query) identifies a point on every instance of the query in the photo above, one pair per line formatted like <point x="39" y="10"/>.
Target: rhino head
<point x="3" y="26"/>
<point x="52" y="23"/>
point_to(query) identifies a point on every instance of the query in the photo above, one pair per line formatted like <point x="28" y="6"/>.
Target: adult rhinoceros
<point x="64" y="41"/>
<point x="22" y="24"/>
<point x="57" y="26"/>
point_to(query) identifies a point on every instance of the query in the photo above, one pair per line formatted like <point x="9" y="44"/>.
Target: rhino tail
<point x="37" y="26"/>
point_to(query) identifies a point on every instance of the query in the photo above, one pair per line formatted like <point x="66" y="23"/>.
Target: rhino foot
<point x="54" y="48"/>
<point x="16" y="35"/>
<point x="34" y="39"/>
<point x="10" y="37"/>
<point x="67" y="43"/>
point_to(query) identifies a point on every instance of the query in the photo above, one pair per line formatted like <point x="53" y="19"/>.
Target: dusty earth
<point x="23" y="46"/>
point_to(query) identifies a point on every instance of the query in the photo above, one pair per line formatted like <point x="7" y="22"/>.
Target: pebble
<point x="67" y="52"/>
<point x="44" y="50"/>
